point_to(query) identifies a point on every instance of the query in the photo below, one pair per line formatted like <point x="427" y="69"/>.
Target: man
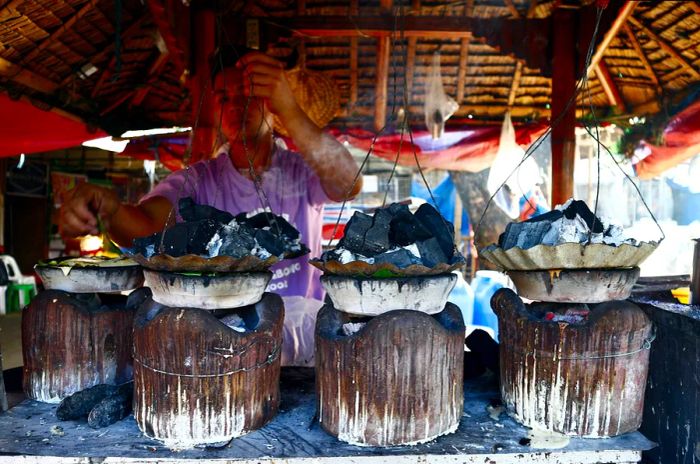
<point x="295" y="184"/>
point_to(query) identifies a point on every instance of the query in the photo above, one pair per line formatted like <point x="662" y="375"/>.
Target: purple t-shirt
<point x="294" y="192"/>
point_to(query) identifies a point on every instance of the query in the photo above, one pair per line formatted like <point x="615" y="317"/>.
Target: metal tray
<point x="569" y="256"/>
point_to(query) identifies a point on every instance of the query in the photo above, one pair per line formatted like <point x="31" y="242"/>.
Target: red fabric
<point x="682" y="142"/>
<point x="25" y="128"/>
<point x="475" y="152"/>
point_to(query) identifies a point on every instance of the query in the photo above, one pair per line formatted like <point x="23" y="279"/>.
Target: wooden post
<point x="381" y="98"/>
<point x="563" y="118"/>
<point x="203" y="106"/>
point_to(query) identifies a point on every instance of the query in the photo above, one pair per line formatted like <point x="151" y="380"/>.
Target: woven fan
<point x="316" y="94"/>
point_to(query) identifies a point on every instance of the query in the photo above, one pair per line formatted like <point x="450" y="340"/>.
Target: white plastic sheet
<point x="523" y="180"/>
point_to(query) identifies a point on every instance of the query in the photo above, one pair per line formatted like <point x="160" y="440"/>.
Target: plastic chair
<point x="13" y="272"/>
<point x="19" y="289"/>
<point x="3" y="299"/>
<point x="19" y="296"/>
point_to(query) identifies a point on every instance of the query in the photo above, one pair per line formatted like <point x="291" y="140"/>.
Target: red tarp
<point x="25" y="128"/>
<point x="682" y="142"/>
<point x="472" y="149"/>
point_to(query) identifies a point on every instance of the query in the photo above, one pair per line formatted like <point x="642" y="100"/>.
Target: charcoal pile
<point x="572" y="222"/>
<point x="208" y="232"/>
<point x="396" y="237"/>
<point x="101" y="405"/>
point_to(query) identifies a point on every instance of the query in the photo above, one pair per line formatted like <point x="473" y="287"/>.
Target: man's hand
<point x="264" y="77"/>
<point x="86" y="203"/>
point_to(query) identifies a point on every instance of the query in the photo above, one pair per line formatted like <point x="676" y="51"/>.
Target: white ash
<point x="351" y="328"/>
<point x="214" y="245"/>
<point x="234" y="321"/>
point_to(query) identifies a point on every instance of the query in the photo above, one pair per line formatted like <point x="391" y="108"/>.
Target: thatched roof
<point x="63" y="54"/>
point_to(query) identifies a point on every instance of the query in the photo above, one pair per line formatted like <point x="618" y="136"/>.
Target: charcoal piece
<point x="81" y="403"/>
<point x="270" y="242"/>
<point x="277" y="224"/>
<point x="481" y="343"/>
<point x="440" y="228"/>
<point x="147" y="246"/>
<point x="579" y="207"/>
<point x="200" y="234"/>
<point x="112" y="409"/>
<point x="431" y="252"/>
<point x="399" y="210"/>
<point x="473" y="367"/>
<point x="405" y="230"/>
<point x="549" y="216"/>
<point x="377" y="236"/>
<point x="190" y="212"/>
<point x="235" y="242"/>
<point x="400" y="258"/>
<point x="176" y="240"/>
<point x="523" y="234"/>
<point x="355" y="230"/>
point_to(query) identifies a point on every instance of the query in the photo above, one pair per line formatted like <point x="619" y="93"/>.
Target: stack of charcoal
<point x="572" y="222"/>
<point x="208" y="232"/>
<point x="395" y="236"/>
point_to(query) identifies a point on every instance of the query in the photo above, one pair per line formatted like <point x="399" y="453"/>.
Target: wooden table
<point x="295" y="437"/>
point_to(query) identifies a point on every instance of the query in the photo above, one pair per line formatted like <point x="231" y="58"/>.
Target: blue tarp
<point x="445" y="195"/>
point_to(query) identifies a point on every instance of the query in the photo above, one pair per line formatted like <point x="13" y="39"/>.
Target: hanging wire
<point x="536" y="144"/>
<point x="255" y="177"/>
<point x="582" y="83"/>
<point x="369" y="151"/>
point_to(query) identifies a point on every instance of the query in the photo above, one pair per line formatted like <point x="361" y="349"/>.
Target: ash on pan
<point x="395" y="236"/>
<point x="209" y="232"/>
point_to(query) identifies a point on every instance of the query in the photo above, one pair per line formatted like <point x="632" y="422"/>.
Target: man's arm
<point x="124" y="222"/>
<point x="329" y="159"/>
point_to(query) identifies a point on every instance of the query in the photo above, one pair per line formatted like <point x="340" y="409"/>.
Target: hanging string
<point x="582" y="83"/>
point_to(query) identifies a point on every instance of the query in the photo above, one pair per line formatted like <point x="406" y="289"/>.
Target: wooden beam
<point x="151" y="79"/>
<point x="25" y="77"/>
<point x="132" y="29"/>
<point x="464" y="55"/>
<point x="410" y="65"/>
<point x="95" y="59"/>
<point x="438" y="27"/>
<point x="383" y="54"/>
<point x="353" y="11"/>
<point x="60" y="30"/>
<point x="609" y="86"/>
<point x="666" y="48"/>
<point x="563" y="113"/>
<point x="353" y="70"/>
<point x="622" y="17"/>
<point x="642" y="57"/>
<point x="159" y="15"/>
<point x="513" y="10"/>
<point x="516" y="82"/>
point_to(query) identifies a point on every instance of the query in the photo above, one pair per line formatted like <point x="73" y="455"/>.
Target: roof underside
<point x="109" y="63"/>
